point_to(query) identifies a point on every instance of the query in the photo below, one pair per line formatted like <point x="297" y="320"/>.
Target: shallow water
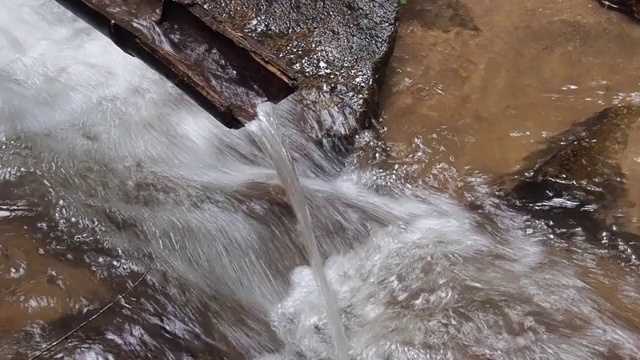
<point x="108" y="172"/>
<point x="485" y="99"/>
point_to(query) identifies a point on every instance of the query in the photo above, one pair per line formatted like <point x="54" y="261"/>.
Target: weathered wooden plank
<point x="222" y="77"/>
<point x="231" y="55"/>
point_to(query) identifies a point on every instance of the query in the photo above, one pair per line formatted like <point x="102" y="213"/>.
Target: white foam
<point x="440" y="288"/>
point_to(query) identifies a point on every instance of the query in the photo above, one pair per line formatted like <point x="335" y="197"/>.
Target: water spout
<point x="272" y="145"/>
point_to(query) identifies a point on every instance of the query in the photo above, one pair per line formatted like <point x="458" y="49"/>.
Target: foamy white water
<point x="417" y="275"/>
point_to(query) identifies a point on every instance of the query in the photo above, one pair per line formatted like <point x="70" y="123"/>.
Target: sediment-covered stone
<point x="576" y="182"/>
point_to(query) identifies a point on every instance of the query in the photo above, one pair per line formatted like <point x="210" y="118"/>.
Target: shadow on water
<point x="109" y="172"/>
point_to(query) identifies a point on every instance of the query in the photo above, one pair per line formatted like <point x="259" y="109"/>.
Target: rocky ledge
<point x="231" y="55"/>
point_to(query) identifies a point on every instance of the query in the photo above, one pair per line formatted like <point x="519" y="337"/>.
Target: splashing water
<point x="125" y="171"/>
<point x="272" y="145"/>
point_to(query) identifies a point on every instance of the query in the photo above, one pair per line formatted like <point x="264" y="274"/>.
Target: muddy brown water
<point x="472" y="87"/>
<point x="531" y="70"/>
<point x="477" y="86"/>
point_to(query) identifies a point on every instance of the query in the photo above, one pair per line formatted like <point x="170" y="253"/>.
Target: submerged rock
<point x="629" y="7"/>
<point x="231" y="55"/>
<point x="576" y="183"/>
<point x="442" y="15"/>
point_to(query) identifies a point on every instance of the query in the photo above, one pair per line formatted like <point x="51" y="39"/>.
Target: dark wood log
<point x="231" y="55"/>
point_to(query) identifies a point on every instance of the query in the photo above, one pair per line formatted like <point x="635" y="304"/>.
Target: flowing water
<point x="110" y="175"/>
<point x="272" y="145"/>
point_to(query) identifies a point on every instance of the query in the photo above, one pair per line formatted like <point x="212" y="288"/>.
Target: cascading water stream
<point x="104" y="165"/>
<point x="270" y="142"/>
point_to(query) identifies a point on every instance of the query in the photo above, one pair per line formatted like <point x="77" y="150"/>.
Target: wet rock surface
<point x="629" y="7"/>
<point x="234" y="54"/>
<point x="576" y="184"/>
<point x="335" y="50"/>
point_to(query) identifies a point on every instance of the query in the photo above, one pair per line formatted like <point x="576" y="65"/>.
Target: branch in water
<point x="66" y="336"/>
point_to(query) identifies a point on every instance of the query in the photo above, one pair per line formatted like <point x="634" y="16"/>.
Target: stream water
<point x="271" y="143"/>
<point x="108" y="173"/>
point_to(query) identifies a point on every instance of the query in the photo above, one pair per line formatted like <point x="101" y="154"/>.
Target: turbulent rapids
<point x="110" y="171"/>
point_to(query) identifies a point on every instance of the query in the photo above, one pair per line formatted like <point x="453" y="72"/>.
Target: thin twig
<point x="63" y="338"/>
